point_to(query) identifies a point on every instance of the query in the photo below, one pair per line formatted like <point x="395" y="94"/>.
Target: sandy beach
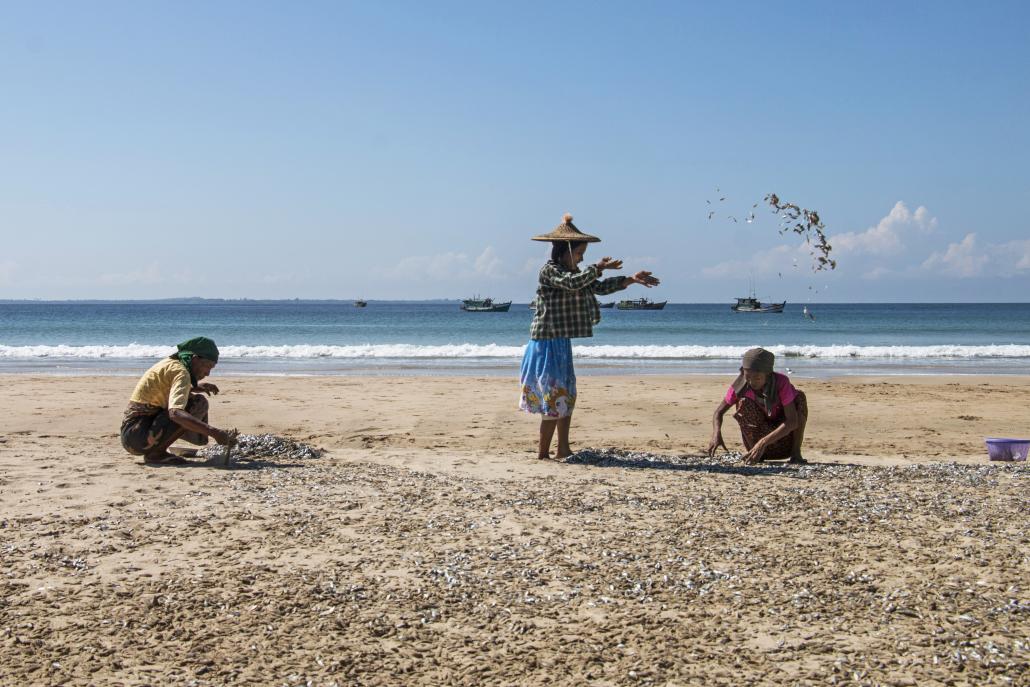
<point x="429" y="546"/>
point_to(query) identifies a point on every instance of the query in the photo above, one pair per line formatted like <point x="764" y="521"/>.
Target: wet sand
<point x="429" y="546"/>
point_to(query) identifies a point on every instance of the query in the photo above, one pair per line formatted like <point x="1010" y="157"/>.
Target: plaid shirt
<point x="565" y="303"/>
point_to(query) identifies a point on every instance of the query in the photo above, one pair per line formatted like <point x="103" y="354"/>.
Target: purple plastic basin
<point x="1007" y="449"/>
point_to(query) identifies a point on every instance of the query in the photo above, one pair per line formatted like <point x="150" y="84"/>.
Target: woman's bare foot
<point x="798" y="459"/>
<point x="543" y="456"/>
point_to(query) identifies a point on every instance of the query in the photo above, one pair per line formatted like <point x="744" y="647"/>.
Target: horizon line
<point x="199" y="299"/>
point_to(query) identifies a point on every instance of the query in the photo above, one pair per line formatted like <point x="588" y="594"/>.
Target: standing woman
<point x="566" y="308"/>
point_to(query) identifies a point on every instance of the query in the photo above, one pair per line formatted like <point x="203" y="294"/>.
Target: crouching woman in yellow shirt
<point x="162" y="408"/>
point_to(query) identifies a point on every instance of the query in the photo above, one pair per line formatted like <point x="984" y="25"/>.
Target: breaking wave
<point x="471" y="351"/>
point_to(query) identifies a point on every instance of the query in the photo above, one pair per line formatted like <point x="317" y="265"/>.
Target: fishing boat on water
<point x="360" y="303"/>
<point x="752" y="304"/>
<point x="640" y="304"/>
<point x="478" y="304"/>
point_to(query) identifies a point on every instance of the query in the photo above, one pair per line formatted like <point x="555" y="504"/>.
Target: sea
<point x="437" y="338"/>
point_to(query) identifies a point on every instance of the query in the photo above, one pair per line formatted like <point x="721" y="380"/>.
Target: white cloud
<point x="531" y="266"/>
<point x="882" y="241"/>
<point x="1012" y="257"/>
<point x="640" y="262"/>
<point x="1009" y="259"/>
<point x="886" y="237"/>
<point x="773" y="261"/>
<point x="959" y="260"/>
<point x="922" y="219"/>
<point x="440" y="266"/>
<point x="876" y="273"/>
<point x="279" y="278"/>
<point x="1024" y="260"/>
<point x="8" y="268"/>
<point x="151" y="274"/>
<point x="488" y="264"/>
<point x="450" y="266"/>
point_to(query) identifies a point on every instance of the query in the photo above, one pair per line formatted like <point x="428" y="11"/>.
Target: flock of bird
<point x="749" y="218"/>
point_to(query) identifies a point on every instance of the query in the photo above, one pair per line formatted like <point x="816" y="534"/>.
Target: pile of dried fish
<point x="258" y="446"/>
<point x="610" y="457"/>
<point x="969" y="475"/>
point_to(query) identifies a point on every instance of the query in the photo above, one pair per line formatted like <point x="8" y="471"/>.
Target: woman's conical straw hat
<point x="567" y="231"/>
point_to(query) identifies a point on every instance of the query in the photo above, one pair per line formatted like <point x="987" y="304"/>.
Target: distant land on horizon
<point x="196" y="300"/>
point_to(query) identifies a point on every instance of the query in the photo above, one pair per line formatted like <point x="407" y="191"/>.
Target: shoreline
<point x="685" y="376"/>
<point x="443" y="369"/>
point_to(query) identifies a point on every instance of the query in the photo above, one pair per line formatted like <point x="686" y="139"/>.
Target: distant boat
<point x="752" y="304"/>
<point x="640" y="304"/>
<point x="360" y="303"/>
<point x="478" y="304"/>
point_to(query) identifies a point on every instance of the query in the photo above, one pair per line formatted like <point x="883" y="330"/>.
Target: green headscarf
<point x="202" y="346"/>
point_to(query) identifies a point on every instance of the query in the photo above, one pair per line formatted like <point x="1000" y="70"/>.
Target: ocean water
<point x="291" y="337"/>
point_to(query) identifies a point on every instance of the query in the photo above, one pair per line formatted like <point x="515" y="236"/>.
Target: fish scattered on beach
<point x="258" y="446"/>
<point x="616" y="571"/>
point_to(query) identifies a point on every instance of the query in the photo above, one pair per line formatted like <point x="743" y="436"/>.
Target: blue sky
<point x="410" y="149"/>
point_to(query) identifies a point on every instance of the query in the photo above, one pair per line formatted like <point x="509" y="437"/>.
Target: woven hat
<point x="567" y="231"/>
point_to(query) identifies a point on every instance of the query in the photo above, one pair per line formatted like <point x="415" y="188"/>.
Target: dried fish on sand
<point x="259" y="446"/>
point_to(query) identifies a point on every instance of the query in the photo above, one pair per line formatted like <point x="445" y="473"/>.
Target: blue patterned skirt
<point x="548" y="379"/>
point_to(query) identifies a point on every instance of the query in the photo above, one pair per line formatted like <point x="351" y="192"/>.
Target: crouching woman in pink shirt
<point x="772" y="414"/>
